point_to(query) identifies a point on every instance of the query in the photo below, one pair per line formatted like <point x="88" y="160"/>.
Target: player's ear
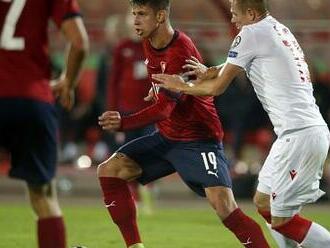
<point x="161" y="16"/>
<point x="251" y="13"/>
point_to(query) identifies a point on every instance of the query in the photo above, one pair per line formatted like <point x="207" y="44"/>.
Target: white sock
<point x="282" y="241"/>
<point x="316" y="237"/>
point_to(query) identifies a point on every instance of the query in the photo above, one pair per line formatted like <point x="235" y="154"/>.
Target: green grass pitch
<point x="89" y="226"/>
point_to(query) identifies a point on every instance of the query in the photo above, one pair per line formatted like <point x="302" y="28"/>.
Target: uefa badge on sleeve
<point x="236" y="42"/>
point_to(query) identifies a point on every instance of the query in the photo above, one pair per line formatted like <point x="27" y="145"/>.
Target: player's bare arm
<point x="210" y="87"/>
<point x="110" y="121"/>
<point x="201" y="71"/>
<point x="76" y="35"/>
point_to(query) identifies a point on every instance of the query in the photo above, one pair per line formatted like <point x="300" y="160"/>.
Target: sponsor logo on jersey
<point x="146" y="62"/>
<point x="232" y="54"/>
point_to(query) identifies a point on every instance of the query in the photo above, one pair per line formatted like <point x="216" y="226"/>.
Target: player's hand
<point x="199" y="70"/>
<point x="150" y="96"/>
<point x="110" y="121"/>
<point x="174" y="83"/>
<point x="195" y="68"/>
<point x="62" y="90"/>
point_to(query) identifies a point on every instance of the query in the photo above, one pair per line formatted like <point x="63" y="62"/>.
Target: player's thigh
<point x="201" y="165"/>
<point x="266" y="173"/>
<point x="296" y="178"/>
<point x="119" y="165"/>
<point x="149" y="153"/>
<point x="32" y="141"/>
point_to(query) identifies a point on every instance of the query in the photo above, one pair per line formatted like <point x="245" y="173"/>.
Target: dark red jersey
<point x="128" y="83"/>
<point x="24" y="59"/>
<point x="178" y="117"/>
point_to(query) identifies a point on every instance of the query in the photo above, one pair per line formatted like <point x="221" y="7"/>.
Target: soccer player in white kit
<point x="275" y="64"/>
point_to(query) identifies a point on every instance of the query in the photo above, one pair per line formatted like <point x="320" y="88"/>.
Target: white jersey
<point x="275" y="64"/>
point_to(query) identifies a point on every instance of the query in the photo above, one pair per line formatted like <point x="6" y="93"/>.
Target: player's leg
<point x="262" y="198"/>
<point x="51" y="228"/>
<point x="142" y="193"/>
<point x="262" y="201"/>
<point x="33" y="149"/>
<point x="204" y="168"/>
<point x="296" y="183"/>
<point x="244" y="228"/>
<point x="114" y="175"/>
<point x="139" y="159"/>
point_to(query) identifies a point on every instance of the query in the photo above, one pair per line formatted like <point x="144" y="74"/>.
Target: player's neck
<point x="263" y="16"/>
<point x="162" y="37"/>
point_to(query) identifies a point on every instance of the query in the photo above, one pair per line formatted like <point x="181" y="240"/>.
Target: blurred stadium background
<point x="248" y="131"/>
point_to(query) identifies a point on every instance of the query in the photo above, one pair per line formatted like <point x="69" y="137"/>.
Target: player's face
<point x="239" y="18"/>
<point x="145" y="20"/>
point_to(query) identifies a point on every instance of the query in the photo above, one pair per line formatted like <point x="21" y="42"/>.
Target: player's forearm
<point x="213" y="71"/>
<point x="75" y="58"/>
<point x="200" y="88"/>
<point x="215" y="86"/>
<point x="150" y="115"/>
<point x="76" y="35"/>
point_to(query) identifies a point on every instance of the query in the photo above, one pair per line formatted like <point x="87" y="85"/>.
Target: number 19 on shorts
<point x="210" y="163"/>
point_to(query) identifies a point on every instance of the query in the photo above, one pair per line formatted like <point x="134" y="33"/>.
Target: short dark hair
<point x="259" y="5"/>
<point x="154" y="4"/>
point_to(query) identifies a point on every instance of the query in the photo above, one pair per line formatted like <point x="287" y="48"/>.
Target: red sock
<point x="121" y="206"/>
<point x="266" y="214"/>
<point x="296" y="229"/>
<point x="246" y="230"/>
<point x="134" y="188"/>
<point x="51" y="233"/>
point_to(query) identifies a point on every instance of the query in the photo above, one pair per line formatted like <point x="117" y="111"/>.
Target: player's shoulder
<point x="183" y="43"/>
<point x="184" y="39"/>
<point x="252" y="33"/>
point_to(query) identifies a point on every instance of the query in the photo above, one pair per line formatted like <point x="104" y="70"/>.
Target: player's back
<point x="280" y="76"/>
<point x="193" y="118"/>
<point x="25" y="66"/>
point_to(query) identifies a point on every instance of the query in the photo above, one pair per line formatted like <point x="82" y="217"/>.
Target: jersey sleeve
<point x="243" y="49"/>
<point x="64" y="9"/>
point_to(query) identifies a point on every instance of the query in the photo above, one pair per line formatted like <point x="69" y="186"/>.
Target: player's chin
<point x="139" y="32"/>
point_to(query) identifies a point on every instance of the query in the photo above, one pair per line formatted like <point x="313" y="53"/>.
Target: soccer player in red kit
<point x="28" y="124"/>
<point x="128" y="85"/>
<point x="188" y="140"/>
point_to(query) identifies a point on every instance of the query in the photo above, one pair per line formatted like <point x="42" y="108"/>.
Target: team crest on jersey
<point x="146" y="62"/>
<point x="236" y="42"/>
<point x="293" y="174"/>
<point x="163" y="66"/>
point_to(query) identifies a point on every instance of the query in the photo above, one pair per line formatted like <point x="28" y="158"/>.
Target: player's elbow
<point x="80" y="43"/>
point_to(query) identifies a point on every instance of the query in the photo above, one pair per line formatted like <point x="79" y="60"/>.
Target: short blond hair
<point x="258" y="5"/>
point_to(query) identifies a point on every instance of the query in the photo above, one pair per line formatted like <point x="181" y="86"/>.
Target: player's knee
<point x="261" y="202"/>
<point x="119" y="165"/>
<point x="222" y="200"/>
<point x="44" y="201"/>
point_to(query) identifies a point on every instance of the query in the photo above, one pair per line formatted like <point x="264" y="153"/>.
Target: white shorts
<point x="292" y="171"/>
